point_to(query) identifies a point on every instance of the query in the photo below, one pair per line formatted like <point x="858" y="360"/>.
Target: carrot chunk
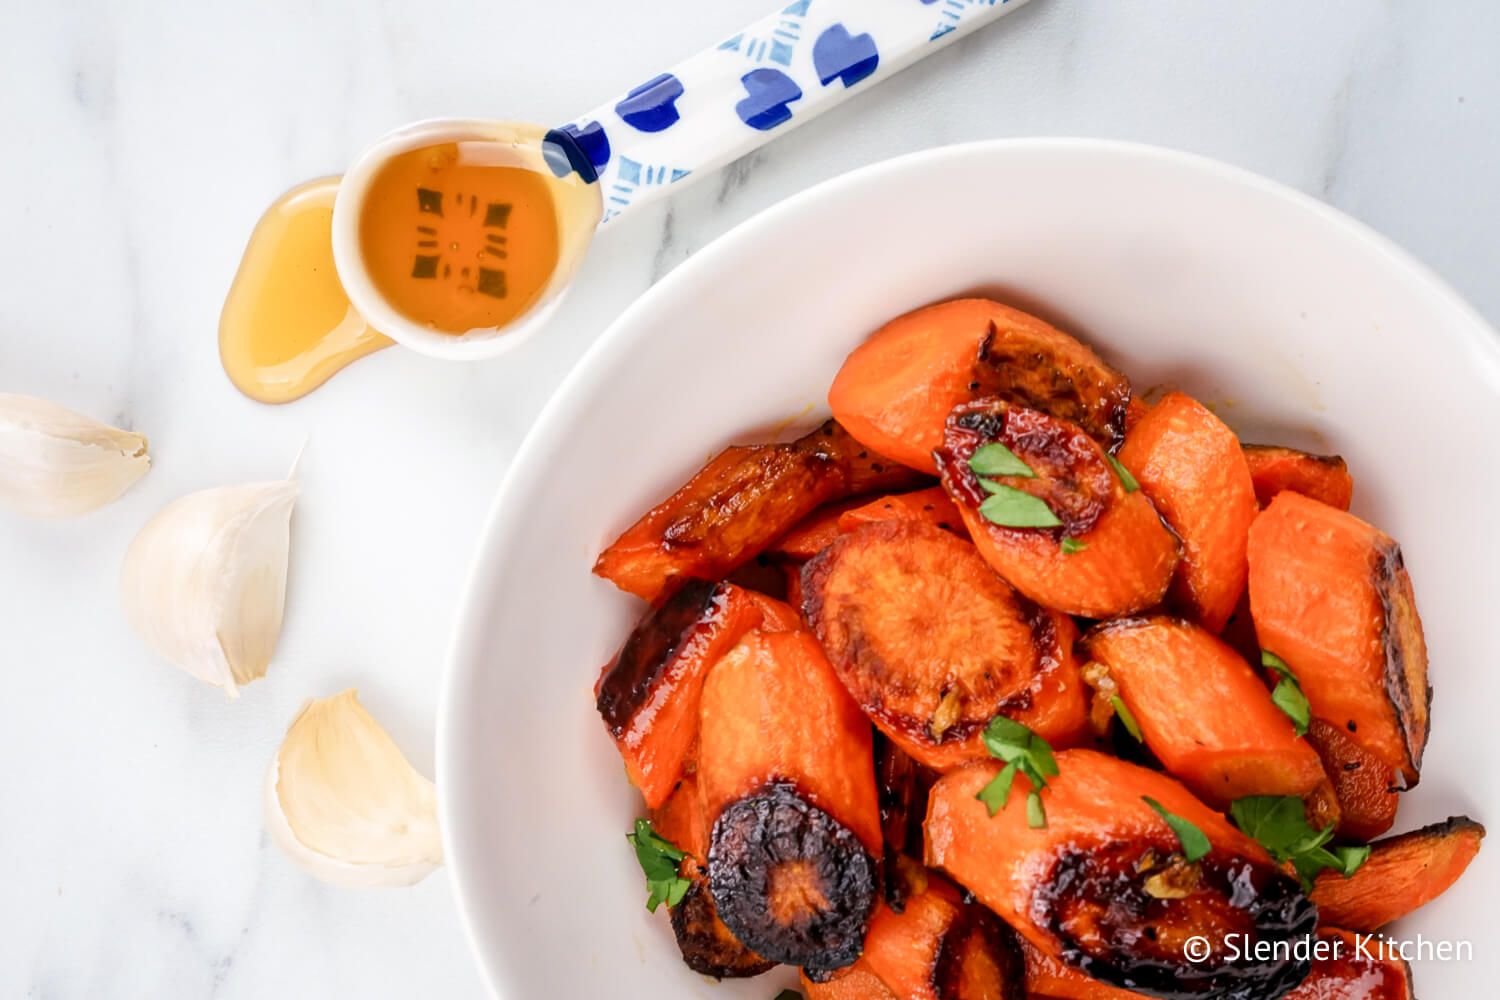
<point x="1048" y="978"/>
<point x="1203" y="711"/>
<point x="1105" y="884"/>
<point x="1322" y="477"/>
<point x="1342" y="970"/>
<point x="1109" y="554"/>
<point x="1403" y="873"/>
<point x="1364" y="785"/>
<point x="813" y="533"/>
<point x="648" y="694"/>
<point x="738" y="504"/>
<point x="896" y="389"/>
<point x="1191" y="466"/>
<point x="930" y="505"/>
<point x="786" y="772"/>
<point x="933" y="644"/>
<point x="1330" y="596"/>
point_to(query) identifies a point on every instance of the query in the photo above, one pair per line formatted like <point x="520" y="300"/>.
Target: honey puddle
<point x="287" y="325"/>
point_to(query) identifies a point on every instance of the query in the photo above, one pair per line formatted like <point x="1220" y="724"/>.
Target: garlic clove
<point x="343" y="802"/>
<point x="57" y="463"/>
<point x="204" y="583"/>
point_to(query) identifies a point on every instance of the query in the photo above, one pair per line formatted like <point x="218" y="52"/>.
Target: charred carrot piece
<point x="897" y="388"/>
<point x="1347" y="968"/>
<point x="648" y="694"/>
<point x="1364" y="786"/>
<point x="931" y="506"/>
<point x="902" y="785"/>
<point x="1105" y="885"/>
<point x="813" y="533"/>
<point x="1047" y="978"/>
<point x="938" y="948"/>
<point x="1191" y="466"/>
<point x="1330" y="596"/>
<point x="708" y="947"/>
<point x="786" y="772"/>
<point x="933" y="644"/>
<point x="793" y="573"/>
<point x="1321" y="477"/>
<point x="738" y="504"/>
<point x="1203" y="711"/>
<point x="1108" y="554"/>
<point x="1403" y="873"/>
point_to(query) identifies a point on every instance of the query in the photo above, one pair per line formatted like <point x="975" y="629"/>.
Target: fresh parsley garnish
<point x="1194" y="844"/>
<point x="659" y="859"/>
<point x="1287" y="695"/>
<point x="1126" y="479"/>
<point x="1072" y="545"/>
<point x="1023" y="751"/>
<point x="1279" y="824"/>
<point x="1013" y="508"/>
<point x="997" y="460"/>
<point x="1126" y="717"/>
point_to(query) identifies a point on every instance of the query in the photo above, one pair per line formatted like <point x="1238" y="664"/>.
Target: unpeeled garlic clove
<point x="57" y="463"/>
<point x="204" y="583"/>
<point x="343" y="802"/>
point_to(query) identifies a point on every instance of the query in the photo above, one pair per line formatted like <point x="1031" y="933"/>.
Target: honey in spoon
<point x="287" y="325"/>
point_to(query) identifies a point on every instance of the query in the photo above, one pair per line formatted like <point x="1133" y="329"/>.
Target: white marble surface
<point x="141" y="142"/>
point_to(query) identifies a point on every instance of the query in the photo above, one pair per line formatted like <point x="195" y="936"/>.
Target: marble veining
<point x="142" y="142"/>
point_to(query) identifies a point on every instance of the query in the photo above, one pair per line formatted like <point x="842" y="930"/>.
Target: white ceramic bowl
<point x="1303" y="326"/>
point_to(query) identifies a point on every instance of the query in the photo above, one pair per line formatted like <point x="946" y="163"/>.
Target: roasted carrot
<point x="1322" y="477"/>
<point x="938" y="948"/>
<point x="793" y="573"/>
<point x="1047" y="978"/>
<point x="787" y="776"/>
<point x="742" y="501"/>
<point x="1349" y="967"/>
<point x="1109" y="554"/>
<point x="648" y="694"/>
<point x="1330" y="596"/>
<point x="901" y="785"/>
<point x="1364" y="786"/>
<point x="1403" y="873"/>
<point x="930" y="505"/>
<point x="897" y="388"/>
<point x="813" y="533"/>
<point x="1190" y="465"/>
<point x="933" y="644"/>
<point x="1202" y="710"/>
<point x="1105" y="884"/>
<point x="708" y="947"/>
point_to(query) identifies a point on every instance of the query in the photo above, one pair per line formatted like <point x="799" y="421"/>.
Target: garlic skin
<point x="204" y="583"/>
<point x="56" y="463"/>
<point x="343" y="802"/>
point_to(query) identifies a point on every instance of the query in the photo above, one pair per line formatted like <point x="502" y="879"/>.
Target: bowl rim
<point x="1478" y="335"/>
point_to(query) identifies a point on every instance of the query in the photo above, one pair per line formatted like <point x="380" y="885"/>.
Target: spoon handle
<point x="776" y="74"/>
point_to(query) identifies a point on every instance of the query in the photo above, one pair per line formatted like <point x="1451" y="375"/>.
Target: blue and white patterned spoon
<point x="675" y="127"/>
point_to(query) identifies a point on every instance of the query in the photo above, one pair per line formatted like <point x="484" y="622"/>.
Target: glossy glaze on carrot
<point x="1203" y="711"/>
<point x="1331" y="597"/>
<point x="1191" y="466"/>
<point x="1365" y="786"/>
<point x="930" y="505"/>
<point x="933" y="644"/>
<point x="1128" y="555"/>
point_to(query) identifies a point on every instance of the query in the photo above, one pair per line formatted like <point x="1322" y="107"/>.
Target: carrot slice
<point x="1048" y="978"/>
<point x="813" y="533"/>
<point x="1120" y="557"/>
<point x="1364" y="786"/>
<point x="1104" y="885"/>
<point x="1403" y="873"/>
<point x="930" y="505"/>
<point x="1190" y="465"/>
<point x="786" y="772"/>
<point x="708" y="947"/>
<point x="1322" y="477"/>
<point x="896" y="389"/>
<point x="1203" y="711"/>
<point x="1330" y="596"/>
<point x="938" y="948"/>
<point x="738" y="504"/>
<point x="933" y="644"/>
<point x="1347" y="967"/>
<point x="648" y="694"/>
